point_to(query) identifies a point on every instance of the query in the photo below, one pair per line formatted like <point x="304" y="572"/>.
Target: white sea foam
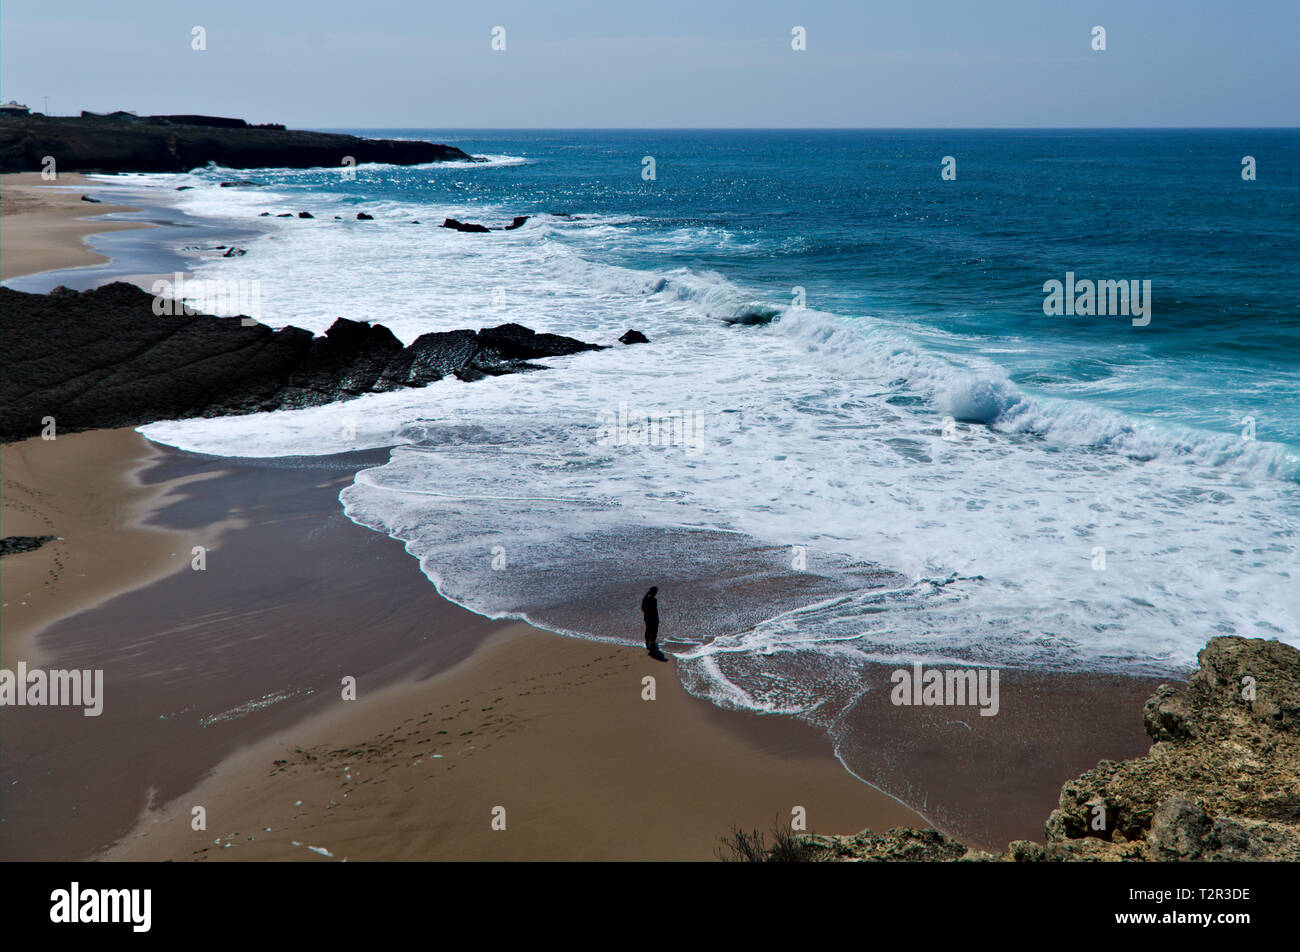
<point x="821" y="431"/>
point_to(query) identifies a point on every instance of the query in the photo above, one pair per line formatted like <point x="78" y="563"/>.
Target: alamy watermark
<point x="54" y="688"/>
<point x="683" y="428"/>
<point x="208" y="296"/>
<point x="1088" y="298"/>
<point x="959" y="687"/>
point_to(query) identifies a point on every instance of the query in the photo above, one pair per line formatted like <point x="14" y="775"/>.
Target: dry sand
<point x="42" y="228"/>
<point x="556" y="733"/>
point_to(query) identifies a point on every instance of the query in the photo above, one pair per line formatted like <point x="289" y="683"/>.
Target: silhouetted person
<point x="650" y="609"/>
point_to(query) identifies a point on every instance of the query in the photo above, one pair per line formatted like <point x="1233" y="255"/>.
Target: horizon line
<point x="830" y="128"/>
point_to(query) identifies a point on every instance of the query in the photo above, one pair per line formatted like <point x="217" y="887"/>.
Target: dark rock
<point x="264" y="215"/>
<point x="12" y="545"/>
<point x="476" y="228"/>
<point x="415" y="221"/>
<point x="464" y="226"/>
<point x="239" y="183"/>
<point x="233" y="252"/>
<point x="87" y="198"/>
<point x="306" y="215"/>
<point x="516" y="342"/>
<point x="285" y="215"/>
<point x="182" y="143"/>
<point x="754" y="317"/>
<point x="102" y="358"/>
<point x="183" y="188"/>
<point x="362" y="216"/>
<point x="633" y="337"/>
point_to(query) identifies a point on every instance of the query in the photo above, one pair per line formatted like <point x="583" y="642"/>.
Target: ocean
<point x="851" y="366"/>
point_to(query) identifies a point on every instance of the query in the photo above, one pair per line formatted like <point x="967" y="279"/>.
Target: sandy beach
<point x="45" y="227"/>
<point x="225" y="690"/>
<point x="221" y="691"/>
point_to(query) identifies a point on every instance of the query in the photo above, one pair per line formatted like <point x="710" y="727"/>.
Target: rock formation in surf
<point x="103" y="358"/>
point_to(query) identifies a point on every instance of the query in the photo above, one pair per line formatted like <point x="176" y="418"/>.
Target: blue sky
<point x="663" y="63"/>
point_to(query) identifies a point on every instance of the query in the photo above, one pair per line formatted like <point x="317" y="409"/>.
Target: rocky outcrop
<point x="458" y="225"/>
<point x="103" y="358"/>
<point x="171" y="144"/>
<point x="1221" y="782"/>
<point x="12" y="545"/>
<point x="473" y="227"/>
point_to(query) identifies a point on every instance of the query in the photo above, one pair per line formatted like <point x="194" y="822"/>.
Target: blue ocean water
<point x="863" y="348"/>
<point x="864" y="223"/>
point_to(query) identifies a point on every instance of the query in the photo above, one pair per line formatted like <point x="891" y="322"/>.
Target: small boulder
<point x="306" y="215"/>
<point x="362" y="216"/>
<point x="633" y="337"/>
<point x="464" y="226"/>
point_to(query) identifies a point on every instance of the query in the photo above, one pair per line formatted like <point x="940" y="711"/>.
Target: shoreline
<point x="139" y="234"/>
<point x="226" y="674"/>
<point x="268" y="518"/>
<point x="46" y="224"/>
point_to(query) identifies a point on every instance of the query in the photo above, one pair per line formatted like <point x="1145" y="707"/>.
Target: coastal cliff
<point x="182" y="143"/>
<point x="1221" y="782"/>
<point x="104" y="358"/>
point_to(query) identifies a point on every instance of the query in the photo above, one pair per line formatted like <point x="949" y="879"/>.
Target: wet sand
<point x="42" y="228"/>
<point x="211" y="676"/>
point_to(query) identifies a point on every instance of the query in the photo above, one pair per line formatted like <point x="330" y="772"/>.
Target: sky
<point x="663" y="63"/>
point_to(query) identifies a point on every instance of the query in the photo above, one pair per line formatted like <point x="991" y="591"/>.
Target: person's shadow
<point x="657" y="654"/>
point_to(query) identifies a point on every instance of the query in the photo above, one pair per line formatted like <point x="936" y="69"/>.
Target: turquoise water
<point x="864" y="222"/>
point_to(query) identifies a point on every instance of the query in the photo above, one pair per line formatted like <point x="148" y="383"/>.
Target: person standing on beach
<point x="650" y="609"/>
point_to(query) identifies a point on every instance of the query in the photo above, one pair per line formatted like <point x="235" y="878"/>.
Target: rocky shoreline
<point x="1221" y="782"/>
<point x="181" y="143"/>
<point x="106" y="358"/>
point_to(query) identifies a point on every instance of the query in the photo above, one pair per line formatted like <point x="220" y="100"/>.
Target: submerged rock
<point x="633" y="337"/>
<point x="362" y="216"/>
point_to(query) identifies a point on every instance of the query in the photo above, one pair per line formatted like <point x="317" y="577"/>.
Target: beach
<point x="454" y="714"/>
<point x="45" y="227"/>
<point x="284" y="680"/>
